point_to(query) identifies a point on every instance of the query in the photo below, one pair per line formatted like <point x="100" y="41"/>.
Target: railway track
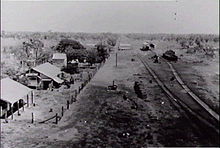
<point x="201" y="116"/>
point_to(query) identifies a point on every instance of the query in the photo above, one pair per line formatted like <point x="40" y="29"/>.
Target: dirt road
<point x="121" y="118"/>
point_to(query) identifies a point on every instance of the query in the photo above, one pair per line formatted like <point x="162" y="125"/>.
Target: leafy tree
<point x="44" y="56"/>
<point x="102" y="51"/>
<point x="72" y="48"/>
<point x="79" y="54"/>
<point x="111" y="41"/>
<point x="68" y="43"/>
<point x="71" y="68"/>
<point x="92" y="57"/>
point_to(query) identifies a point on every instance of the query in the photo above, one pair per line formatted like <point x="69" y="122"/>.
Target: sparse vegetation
<point x="125" y="103"/>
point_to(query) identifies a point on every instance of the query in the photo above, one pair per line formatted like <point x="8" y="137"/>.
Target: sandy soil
<point x="102" y="118"/>
<point x="19" y="131"/>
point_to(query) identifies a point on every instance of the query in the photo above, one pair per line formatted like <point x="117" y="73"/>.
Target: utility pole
<point x="116" y="59"/>
<point x="116" y="54"/>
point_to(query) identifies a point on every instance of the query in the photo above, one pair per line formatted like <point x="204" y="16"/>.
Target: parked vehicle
<point x="170" y="55"/>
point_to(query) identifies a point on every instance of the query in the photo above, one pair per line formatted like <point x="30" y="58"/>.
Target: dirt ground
<point x="104" y="118"/>
<point x="46" y="104"/>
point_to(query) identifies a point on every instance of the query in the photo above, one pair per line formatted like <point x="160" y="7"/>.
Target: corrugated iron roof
<point x="125" y="45"/>
<point x="91" y="44"/>
<point x="50" y="71"/>
<point x="59" y="56"/>
<point x="12" y="91"/>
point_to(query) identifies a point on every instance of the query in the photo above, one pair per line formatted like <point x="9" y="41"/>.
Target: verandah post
<point x="11" y="112"/>
<point x="27" y="101"/>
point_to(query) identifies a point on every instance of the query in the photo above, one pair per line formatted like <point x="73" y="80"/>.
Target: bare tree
<point x="33" y="48"/>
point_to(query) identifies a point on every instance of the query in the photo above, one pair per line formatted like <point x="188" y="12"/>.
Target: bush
<point x="71" y="68"/>
<point x="183" y="44"/>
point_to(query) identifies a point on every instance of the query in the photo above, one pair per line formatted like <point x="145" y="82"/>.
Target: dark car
<point x="170" y="55"/>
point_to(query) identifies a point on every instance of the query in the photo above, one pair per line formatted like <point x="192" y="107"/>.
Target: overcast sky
<point x="192" y="16"/>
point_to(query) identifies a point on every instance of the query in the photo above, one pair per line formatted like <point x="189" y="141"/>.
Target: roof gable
<point x="50" y="71"/>
<point x="59" y="56"/>
<point x="12" y="91"/>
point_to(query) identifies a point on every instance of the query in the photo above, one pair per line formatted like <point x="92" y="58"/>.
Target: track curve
<point x="189" y="104"/>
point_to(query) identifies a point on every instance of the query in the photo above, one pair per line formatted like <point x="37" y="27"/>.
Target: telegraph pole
<point x="116" y="59"/>
<point x="116" y="54"/>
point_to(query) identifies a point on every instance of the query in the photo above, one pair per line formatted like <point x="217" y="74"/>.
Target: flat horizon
<point x="151" y="17"/>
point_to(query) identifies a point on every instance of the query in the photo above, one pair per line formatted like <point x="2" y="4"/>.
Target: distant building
<point x="124" y="47"/>
<point x="91" y="46"/>
<point x="13" y="95"/>
<point x="44" y="75"/>
<point x="148" y="46"/>
<point x="59" y="59"/>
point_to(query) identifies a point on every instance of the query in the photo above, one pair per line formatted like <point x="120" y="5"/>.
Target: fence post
<point x="67" y="103"/>
<point x="32" y="117"/>
<point x="62" y="111"/>
<point x="89" y="78"/>
<point x="82" y="85"/>
<point x="56" y="118"/>
<point x="32" y="97"/>
<point x="18" y="108"/>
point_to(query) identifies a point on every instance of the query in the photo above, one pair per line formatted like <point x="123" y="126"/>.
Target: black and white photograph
<point x="109" y="73"/>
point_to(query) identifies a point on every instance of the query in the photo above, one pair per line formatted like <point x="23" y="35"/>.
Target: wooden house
<point x="44" y="75"/>
<point x="13" y="96"/>
<point x="59" y="60"/>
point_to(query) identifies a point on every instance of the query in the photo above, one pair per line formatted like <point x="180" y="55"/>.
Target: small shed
<point x="124" y="47"/>
<point x="45" y="75"/>
<point x="59" y="59"/>
<point x="13" y="95"/>
<point x="90" y="46"/>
